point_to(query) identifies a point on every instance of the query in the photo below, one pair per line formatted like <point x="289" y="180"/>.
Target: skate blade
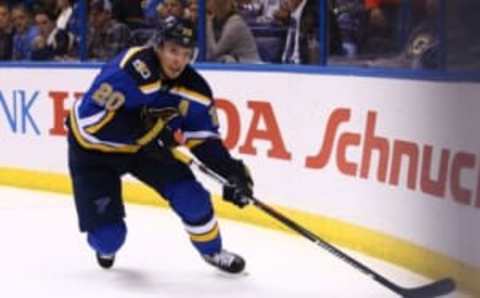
<point x="229" y="275"/>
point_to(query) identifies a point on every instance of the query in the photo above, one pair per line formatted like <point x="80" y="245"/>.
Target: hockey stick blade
<point x="435" y="289"/>
<point x="432" y="290"/>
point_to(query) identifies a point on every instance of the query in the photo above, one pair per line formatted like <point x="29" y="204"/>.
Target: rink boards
<point x="390" y="167"/>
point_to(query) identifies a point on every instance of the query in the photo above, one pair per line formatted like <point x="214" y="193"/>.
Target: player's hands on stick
<point x="240" y="185"/>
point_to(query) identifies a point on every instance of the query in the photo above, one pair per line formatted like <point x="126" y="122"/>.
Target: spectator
<point x="156" y="11"/>
<point x="65" y="11"/>
<point x="6" y="34"/>
<point x="107" y="37"/>
<point x="383" y="19"/>
<point x="378" y="11"/>
<point x="68" y="19"/>
<point x="191" y="11"/>
<point x="302" y="44"/>
<point x="351" y="16"/>
<point x="268" y="10"/>
<point x="170" y="8"/>
<point x="249" y="9"/>
<point x="422" y="49"/>
<point x="229" y="38"/>
<point x="25" y="33"/>
<point x="282" y="14"/>
<point x="165" y="9"/>
<point x="51" y="43"/>
<point x="129" y="12"/>
<point x="150" y="10"/>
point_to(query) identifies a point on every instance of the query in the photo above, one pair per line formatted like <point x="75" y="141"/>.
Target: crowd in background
<point x="362" y="32"/>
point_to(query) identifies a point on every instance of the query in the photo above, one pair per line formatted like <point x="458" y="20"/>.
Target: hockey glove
<point x="240" y="185"/>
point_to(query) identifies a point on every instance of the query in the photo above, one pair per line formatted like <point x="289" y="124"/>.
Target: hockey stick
<point x="435" y="289"/>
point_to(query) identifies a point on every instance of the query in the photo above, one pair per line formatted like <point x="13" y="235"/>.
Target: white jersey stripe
<point x="87" y="136"/>
<point x="200" y="134"/>
<point x="201" y="229"/>
<point x="91" y="120"/>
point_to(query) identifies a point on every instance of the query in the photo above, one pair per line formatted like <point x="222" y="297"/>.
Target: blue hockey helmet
<point x="178" y="30"/>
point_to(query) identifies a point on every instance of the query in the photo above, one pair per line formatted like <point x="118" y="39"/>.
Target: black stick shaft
<point x="431" y="290"/>
<point x="327" y="246"/>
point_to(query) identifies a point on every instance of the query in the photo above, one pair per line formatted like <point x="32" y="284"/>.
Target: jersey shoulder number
<point x="141" y="64"/>
<point x="141" y="67"/>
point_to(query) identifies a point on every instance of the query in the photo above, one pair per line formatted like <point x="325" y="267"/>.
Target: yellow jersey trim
<point x="192" y="95"/>
<point x="193" y="143"/>
<point x="151" y="87"/>
<point x="95" y="128"/>
<point x="152" y="133"/>
<point x="129" y="54"/>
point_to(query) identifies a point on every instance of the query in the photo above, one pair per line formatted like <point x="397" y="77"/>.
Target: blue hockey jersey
<point x="111" y="115"/>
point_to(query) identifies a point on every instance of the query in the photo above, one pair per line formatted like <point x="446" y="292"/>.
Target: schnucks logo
<point x="435" y="176"/>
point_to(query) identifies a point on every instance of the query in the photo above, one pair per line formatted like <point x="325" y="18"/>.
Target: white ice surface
<point x="42" y="254"/>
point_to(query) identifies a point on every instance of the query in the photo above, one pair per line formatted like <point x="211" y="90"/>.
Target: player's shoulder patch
<point x="192" y="86"/>
<point x="141" y="64"/>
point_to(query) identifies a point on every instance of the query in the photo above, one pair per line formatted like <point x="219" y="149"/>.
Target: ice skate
<point x="105" y="261"/>
<point x="226" y="261"/>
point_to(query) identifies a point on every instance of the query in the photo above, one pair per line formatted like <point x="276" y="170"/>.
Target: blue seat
<point x="270" y="49"/>
<point x="270" y="41"/>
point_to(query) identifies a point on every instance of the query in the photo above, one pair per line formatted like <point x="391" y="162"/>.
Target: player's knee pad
<point x="109" y="238"/>
<point x="190" y="200"/>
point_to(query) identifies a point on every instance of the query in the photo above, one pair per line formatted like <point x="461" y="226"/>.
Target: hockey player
<point x="124" y="124"/>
